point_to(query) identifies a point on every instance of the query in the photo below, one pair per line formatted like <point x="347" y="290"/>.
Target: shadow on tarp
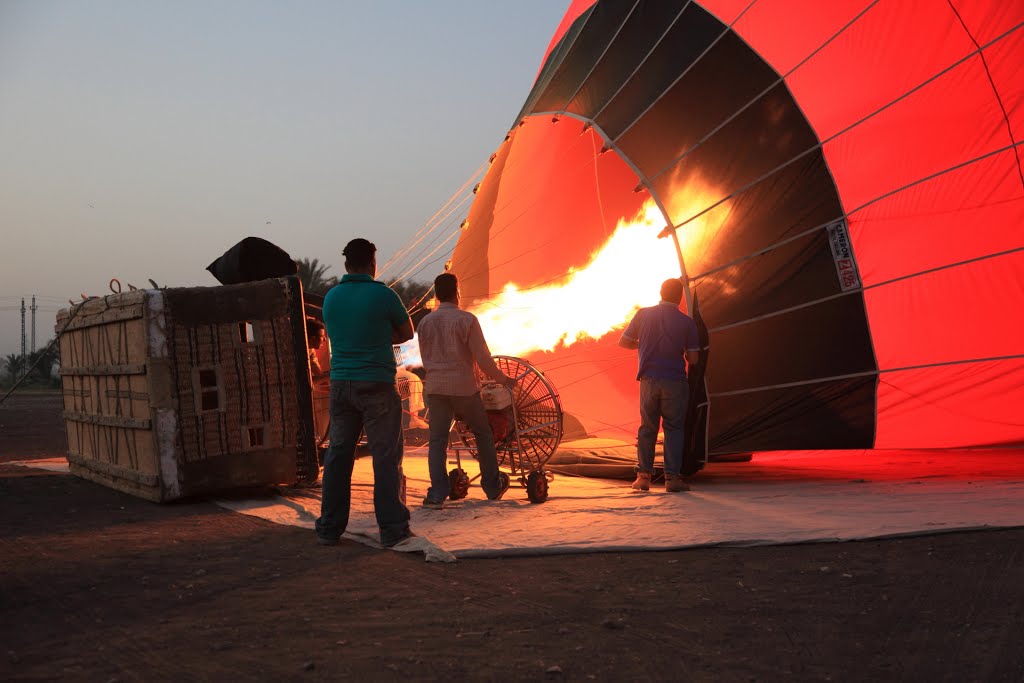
<point x="616" y="460"/>
<point x="610" y="459"/>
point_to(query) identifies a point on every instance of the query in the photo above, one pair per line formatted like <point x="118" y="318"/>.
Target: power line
<point x="38" y="296"/>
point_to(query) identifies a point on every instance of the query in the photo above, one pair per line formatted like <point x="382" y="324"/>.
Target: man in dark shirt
<point x="665" y="336"/>
<point x="364" y="318"/>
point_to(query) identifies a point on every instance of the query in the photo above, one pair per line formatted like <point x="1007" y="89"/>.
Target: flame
<point x="689" y="204"/>
<point x="589" y="302"/>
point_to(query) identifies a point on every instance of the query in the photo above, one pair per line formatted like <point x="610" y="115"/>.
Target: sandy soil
<point x="96" y="585"/>
<point x="31" y="426"/>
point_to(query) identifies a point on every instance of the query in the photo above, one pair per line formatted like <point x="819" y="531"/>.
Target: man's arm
<point x="402" y="333"/>
<point x="628" y="343"/>
<point x="692" y="344"/>
<point x="482" y="355"/>
<point x="315" y="370"/>
<point x="630" y="338"/>
<point x="401" y="323"/>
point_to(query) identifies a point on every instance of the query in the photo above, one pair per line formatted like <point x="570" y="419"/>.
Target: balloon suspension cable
<point x="435" y="221"/>
<point x="441" y="230"/>
<point x="418" y="236"/>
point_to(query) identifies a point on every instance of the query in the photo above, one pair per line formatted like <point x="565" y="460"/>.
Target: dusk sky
<point x="141" y="139"/>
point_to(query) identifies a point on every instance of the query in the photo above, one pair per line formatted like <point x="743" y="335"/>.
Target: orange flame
<point x="589" y="302"/>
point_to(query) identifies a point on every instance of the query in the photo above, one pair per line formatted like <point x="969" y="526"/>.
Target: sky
<point x="141" y="139"/>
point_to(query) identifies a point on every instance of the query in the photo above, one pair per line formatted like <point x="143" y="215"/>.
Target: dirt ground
<point x="98" y="586"/>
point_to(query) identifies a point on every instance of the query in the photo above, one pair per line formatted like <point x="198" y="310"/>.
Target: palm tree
<point x="44" y="359"/>
<point x="14" y="363"/>
<point x="312" y="273"/>
<point x="411" y="291"/>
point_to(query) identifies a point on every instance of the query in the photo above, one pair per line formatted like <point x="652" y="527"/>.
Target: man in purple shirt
<point x="665" y="336"/>
<point x="451" y="343"/>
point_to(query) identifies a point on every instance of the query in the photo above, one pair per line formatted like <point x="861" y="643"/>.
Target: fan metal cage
<point x="537" y="415"/>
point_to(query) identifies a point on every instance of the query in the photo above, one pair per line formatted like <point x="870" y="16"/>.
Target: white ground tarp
<point x="777" y="498"/>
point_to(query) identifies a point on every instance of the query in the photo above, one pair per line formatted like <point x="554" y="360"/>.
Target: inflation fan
<point x="527" y="426"/>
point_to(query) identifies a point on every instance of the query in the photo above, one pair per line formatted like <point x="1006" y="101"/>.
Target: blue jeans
<point x="662" y="401"/>
<point x="469" y="409"/>
<point x="376" y="407"/>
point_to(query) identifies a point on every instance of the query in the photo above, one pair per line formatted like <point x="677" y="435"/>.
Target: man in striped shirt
<point x="451" y="343"/>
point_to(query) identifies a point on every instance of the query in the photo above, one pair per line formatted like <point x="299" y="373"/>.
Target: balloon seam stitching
<point x="991" y="82"/>
<point x="850" y="213"/>
<point x="868" y="373"/>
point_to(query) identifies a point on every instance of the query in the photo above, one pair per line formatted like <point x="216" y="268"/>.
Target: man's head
<point x="446" y="288"/>
<point x="672" y="290"/>
<point x="314" y="332"/>
<point x="360" y="257"/>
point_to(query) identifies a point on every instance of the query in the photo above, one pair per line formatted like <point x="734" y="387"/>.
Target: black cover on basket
<point x="252" y="259"/>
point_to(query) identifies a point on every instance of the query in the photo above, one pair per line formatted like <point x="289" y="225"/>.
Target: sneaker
<point x="324" y="540"/>
<point x="433" y="504"/>
<point x="643" y="481"/>
<point x="504" y="481"/>
<point x="392" y="542"/>
<point x="674" y="483"/>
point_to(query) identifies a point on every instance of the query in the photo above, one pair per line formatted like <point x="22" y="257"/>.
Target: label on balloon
<point x="842" y="253"/>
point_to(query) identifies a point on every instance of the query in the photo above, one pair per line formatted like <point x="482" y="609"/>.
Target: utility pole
<point x="34" y="307"/>
<point x="23" y="358"/>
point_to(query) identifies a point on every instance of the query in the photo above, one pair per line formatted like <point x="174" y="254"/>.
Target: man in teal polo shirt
<point x="364" y="318"/>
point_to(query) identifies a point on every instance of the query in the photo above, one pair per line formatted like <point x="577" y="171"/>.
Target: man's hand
<point x="509" y="383"/>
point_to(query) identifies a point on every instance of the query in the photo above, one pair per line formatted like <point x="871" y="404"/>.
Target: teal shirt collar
<point x="358" y="277"/>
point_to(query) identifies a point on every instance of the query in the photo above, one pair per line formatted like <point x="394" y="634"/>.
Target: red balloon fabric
<point x="840" y="182"/>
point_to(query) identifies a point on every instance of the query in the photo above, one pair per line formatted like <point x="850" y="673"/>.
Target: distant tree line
<point x="315" y="279"/>
<point x="39" y="364"/>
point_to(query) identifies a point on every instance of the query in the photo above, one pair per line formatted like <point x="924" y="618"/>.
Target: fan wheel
<point x="458" y="483"/>
<point x="537" y="486"/>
